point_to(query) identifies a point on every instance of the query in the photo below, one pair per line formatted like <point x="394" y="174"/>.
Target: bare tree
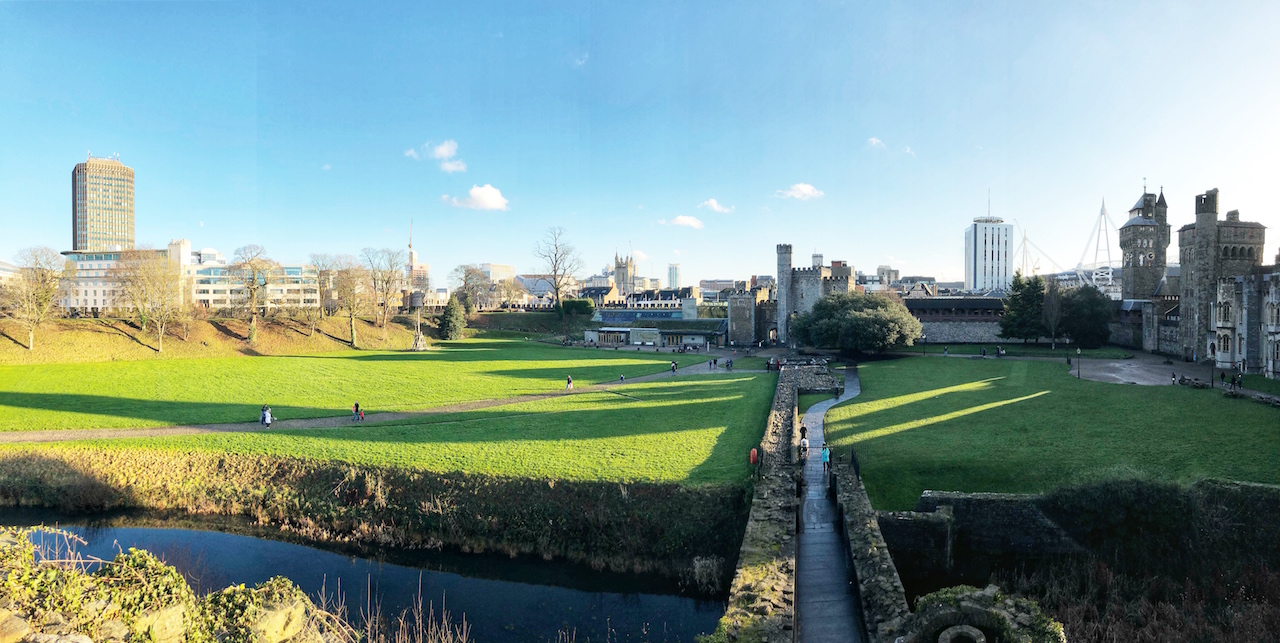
<point x="31" y="298"/>
<point x="472" y="286"/>
<point x="324" y="264"/>
<point x="560" y="260"/>
<point x="153" y="288"/>
<point x="385" y="270"/>
<point x="349" y="282"/>
<point x="254" y="272"/>
<point x="510" y="291"/>
<point x="1051" y="310"/>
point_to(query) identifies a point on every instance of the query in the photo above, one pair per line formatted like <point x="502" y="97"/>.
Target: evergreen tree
<point x="452" y="320"/>
<point x="1024" y="309"/>
<point x="857" y="322"/>
<point x="1086" y="313"/>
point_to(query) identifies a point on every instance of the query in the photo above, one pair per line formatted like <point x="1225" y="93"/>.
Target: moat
<point x="503" y="599"/>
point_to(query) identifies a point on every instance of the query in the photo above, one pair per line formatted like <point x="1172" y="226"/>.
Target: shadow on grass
<point x="31" y="479"/>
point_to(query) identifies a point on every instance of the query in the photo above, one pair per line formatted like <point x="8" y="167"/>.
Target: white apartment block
<point x="498" y="272"/>
<point x="988" y="260"/>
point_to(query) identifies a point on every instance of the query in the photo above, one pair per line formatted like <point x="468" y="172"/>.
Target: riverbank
<point x="690" y="533"/>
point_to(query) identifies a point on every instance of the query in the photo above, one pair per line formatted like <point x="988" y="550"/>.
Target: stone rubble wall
<point x="884" y="601"/>
<point x="762" y="596"/>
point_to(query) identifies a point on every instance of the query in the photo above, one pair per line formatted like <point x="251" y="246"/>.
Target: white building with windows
<point x="988" y="259"/>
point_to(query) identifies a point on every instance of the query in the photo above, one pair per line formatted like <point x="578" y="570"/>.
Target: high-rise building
<point x="101" y="206"/>
<point x="498" y="272"/>
<point x="418" y="274"/>
<point x="988" y="263"/>
<point x="673" y="275"/>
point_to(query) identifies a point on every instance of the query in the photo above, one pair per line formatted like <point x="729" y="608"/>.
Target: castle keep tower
<point x="784" y="290"/>
<point x="1209" y="250"/>
<point x="1144" y="241"/>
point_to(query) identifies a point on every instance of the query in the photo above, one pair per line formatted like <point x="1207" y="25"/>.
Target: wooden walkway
<point x="826" y="589"/>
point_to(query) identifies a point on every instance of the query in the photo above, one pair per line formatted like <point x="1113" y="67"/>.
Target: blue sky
<point x="290" y="124"/>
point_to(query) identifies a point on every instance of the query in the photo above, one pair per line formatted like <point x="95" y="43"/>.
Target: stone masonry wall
<point x="884" y="601"/>
<point x="999" y="523"/>
<point x="762" y="597"/>
<point x="963" y="332"/>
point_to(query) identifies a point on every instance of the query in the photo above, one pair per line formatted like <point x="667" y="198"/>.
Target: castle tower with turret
<point x="1144" y="243"/>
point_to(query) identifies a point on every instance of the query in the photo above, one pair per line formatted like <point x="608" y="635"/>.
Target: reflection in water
<point x="497" y="607"/>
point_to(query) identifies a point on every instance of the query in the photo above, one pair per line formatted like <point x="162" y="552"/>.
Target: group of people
<point x="265" y="417"/>
<point x="714" y="363"/>
<point x="804" y="450"/>
<point x="1236" y="381"/>
<point x="357" y="413"/>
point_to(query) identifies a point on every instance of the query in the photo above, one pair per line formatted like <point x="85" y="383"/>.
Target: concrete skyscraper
<point x="101" y="205"/>
<point x="988" y="264"/>
<point x="673" y="275"/>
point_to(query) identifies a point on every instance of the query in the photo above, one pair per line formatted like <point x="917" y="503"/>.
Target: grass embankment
<point x="1260" y="383"/>
<point x="106" y="340"/>
<point x="1018" y="349"/>
<point x="807" y="400"/>
<point x="232" y="389"/>
<point x="535" y="324"/>
<point x="650" y="477"/>
<point x="1029" y="426"/>
<point x="690" y="430"/>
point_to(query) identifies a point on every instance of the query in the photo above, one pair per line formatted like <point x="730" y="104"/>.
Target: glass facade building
<point x="101" y="206"/>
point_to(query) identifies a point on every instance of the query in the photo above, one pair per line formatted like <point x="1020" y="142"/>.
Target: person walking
<point x="826" y="459"/>
<point x="673" y="367"/>
<point x="266" y="417"/>
<point x="984" y="351"/>
<point x="622" y="379"/>
<point x="568" y="383"/>
<point x="804" y="449"/>
<point x="361" y="415"/>
<point x="355" y="412"/>
<point x="262" y="415"/>
<point x="946" y="351"/>
<point x="1175" y="378"/>
<point x="804" y="432"/>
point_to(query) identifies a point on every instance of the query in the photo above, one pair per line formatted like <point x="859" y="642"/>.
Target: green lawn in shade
<point x="1016" y="348"/>
<point x="692" y="430"/>
<point x="232" y="389"/>
<point x="1029" y="426"/>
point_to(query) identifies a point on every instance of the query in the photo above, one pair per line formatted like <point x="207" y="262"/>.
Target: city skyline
<point x="673" y="134"/>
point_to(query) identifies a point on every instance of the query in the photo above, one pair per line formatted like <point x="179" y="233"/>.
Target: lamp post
<point x="1078" y="362"/>
<point x="923" y="339"/>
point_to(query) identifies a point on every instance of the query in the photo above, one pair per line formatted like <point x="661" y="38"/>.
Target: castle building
<point x="988" y="263"/>
<point x="800" y="288"/>
<point x="624" y="274"/>
<point x="101" y="206"/>
<point x="1144" y="241"/>
<point x="1247" y="322"/>
<point x="1210" y="250"/>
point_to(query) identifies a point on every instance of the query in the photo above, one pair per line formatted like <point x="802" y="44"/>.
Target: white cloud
<point x="687" y="221"/>
<point x="907" y="150"/>
<point x="578" y="62"/>
<point x="875" y="142"/>
<point x="714" y="206"/>
<point x="456" y="165"/>
<point x="445" y="150"/>
<point x="484" y="197"/>
<point x="640" y="255"/>
<point x="802" y="191"/>
<point x="325" y="167"/>
<point x="202" y="224"/>
<point x="411" y="153"/>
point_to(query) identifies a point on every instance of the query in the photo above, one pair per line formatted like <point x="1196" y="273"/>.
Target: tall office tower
<point x="101" y="205"/>
<point x="988" y="264"/>
<point x="673" y="275"/>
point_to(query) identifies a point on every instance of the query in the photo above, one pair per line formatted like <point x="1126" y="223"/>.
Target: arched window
<point x="1225" y="341"/>
<point x="1250" y="253"/>
<point x="1226" y="252"/>
<point x="1233" y="254"/>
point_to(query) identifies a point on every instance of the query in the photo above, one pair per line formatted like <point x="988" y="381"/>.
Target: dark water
<point x="502" y="599"/>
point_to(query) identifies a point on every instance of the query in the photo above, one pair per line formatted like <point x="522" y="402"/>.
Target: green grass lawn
<point x="807" y="400"/>
<point x="693" y="430"/>
<point x="1262" y="384"/>
<point x="1018" y="349"/>
<point x="232" y="389"/>
<point x="1029" y="426"/>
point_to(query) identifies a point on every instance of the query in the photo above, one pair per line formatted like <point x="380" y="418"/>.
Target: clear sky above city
<point x="696" y="133"/>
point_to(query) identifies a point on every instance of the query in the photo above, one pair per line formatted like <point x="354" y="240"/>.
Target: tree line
<point x="1037" y="309"/>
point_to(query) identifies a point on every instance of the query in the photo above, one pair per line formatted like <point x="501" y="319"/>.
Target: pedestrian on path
<point x="266" y="417"/>
<point x="262" y="415"/>
<point x="622" y="379"/>
<point x="804" y="432"/>
<point x="946" y="351"/>
<point x="355" y="412"/>
<point x="362" y="415"/>
<point x="826" y="459"/>
<point x="804" y="449"/>
<point x="568" y="383"/>
<point x="1175" y="378"/>
<point x="673" y="367"/>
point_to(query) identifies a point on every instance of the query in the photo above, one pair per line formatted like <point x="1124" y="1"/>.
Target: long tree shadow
<point x="34" y="480"/>
<point x="153" y="411"/>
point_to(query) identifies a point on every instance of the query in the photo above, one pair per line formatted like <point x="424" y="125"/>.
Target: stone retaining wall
<point x="884" y="601"/>
<point x="999" y="523"/>
<point x="762" y="597"/>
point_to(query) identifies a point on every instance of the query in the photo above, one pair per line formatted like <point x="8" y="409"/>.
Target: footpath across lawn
<point x="1029" y="426"/>
<point x="691" y="430"/>
<point x="232" y="389"/>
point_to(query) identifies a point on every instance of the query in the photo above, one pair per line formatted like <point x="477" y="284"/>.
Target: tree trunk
<point x="352" y="319"/>
<point x="253" y="326"/>
<point x="160" y="337"/>
<point x="31" y="338"/>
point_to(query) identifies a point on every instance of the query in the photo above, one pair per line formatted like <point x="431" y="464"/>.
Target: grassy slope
<point x="692" y="430"/>
<point x="1027" y="426"/>
<point x="1260" y="383"/>
<point x="807" y="400"/>
<point x="106" y="340"/>
<point x="231" y="389"/>
<point x="1018" y="349"/>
